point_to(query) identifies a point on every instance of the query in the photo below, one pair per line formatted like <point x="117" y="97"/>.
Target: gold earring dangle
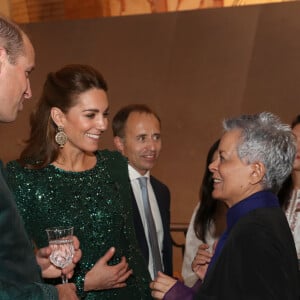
<point x="60" y="137"/>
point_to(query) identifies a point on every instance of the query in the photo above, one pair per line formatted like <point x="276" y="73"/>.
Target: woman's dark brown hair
<point x="60" y="90"/>
<point x="209" y="206"/>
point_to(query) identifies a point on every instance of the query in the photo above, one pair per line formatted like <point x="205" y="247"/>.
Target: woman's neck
<point x="75" y="161"/>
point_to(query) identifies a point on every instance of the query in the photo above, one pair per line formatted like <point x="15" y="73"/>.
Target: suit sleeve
<point x="179" y="291"/>
<point x="32" y="291"/>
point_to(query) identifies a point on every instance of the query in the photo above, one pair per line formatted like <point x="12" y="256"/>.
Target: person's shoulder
<point x="15" y="169"/>
<point x="263" y="217"/>
<point x="17" y="166"/>
<point x="115" y="161"/>
<point x="14" y="174"/>
<point x="263" y="224"/>
<point x="13" y="165"/>
<point x="111" y="155"/>
<point x="117" y="167"/>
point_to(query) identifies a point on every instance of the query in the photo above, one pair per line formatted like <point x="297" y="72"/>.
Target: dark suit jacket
<point x="162" y="195"/>
<point x="19" y="273"/>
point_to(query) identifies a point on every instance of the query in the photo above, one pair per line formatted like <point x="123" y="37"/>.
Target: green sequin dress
<point x="97" y="203"/>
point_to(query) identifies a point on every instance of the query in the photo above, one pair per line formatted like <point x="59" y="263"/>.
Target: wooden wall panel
<point x="25" y="11"/>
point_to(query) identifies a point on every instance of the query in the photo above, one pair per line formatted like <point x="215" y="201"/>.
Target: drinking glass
<point x="61" y="241"/>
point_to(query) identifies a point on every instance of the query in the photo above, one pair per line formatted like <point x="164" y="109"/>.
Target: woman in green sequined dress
<point x="63" y="179"/>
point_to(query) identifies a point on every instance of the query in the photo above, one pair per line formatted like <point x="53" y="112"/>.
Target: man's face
<point x="142" y="141"/>
<point x="14" y="81"/>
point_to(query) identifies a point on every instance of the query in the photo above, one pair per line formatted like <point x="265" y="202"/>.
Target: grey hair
<point x="11" y="39"/>
<point x="264" y="138"/>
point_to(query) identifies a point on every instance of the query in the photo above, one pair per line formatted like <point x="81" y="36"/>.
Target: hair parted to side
<point x="11" y="39"/>
<point x="121" y="117"/>
<point x="264" y="138"/>
<point x="61" y="89"/>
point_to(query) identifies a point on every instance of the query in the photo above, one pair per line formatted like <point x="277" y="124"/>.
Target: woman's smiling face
<point x="87" y="120"/>
<point x="231" y="175"/>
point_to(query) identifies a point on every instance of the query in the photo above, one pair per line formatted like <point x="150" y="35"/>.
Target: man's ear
<point x="258" y="172"/>
<point x="119" y="144"/>
<point x="57" y="116"/>
<point x="3" y="56"/>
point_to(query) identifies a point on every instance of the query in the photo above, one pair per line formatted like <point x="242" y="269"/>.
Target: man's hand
<point x="49" y="270"/>
<point x="67" y="291"/>
<point x="102" y="276"/>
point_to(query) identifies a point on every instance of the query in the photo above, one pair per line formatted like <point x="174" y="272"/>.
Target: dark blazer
<point x="162" y="195"/>
<point x="258" y="261"/>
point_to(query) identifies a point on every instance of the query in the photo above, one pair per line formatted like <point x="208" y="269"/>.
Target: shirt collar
<point x="134" y="174"/>
<point x="258" y="200"/>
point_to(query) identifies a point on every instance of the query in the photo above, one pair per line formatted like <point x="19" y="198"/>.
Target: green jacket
<point x="20" y="275"/>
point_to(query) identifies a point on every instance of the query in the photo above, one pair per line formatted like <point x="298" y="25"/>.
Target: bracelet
<point x="80" y="286"/>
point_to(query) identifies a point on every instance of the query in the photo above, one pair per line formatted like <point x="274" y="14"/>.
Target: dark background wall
<point x="194" y="68"/>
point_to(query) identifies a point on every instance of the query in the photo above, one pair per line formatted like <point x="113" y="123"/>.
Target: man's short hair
<point x="11" y="39"/>
<point x="121" y="117"/>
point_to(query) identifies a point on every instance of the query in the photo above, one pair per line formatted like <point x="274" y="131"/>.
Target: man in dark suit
<point x="136" y="130"/>
<point x="20" y="275"/>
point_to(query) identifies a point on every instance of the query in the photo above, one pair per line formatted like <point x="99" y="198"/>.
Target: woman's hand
<point x="102" y="276"/>
<point x="161" y="285"/>
<point x="201" y="261"/>
<point x="51" y="271"/>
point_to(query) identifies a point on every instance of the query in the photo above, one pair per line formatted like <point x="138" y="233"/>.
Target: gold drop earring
<point x="61" y="137"/>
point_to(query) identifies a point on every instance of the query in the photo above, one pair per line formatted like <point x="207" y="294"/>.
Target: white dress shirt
<point x="134" y="175"/>
<point x="192" y="244"/>
<point x="293" y="216"/>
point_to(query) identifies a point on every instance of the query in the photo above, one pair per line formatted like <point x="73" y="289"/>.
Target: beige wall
<point x="194" y="68"/>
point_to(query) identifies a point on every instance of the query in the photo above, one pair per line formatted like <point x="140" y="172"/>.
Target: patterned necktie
<point x="152" y="236"/>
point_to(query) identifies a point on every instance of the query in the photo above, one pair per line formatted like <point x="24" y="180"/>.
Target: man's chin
<point x="148" y="167"/>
